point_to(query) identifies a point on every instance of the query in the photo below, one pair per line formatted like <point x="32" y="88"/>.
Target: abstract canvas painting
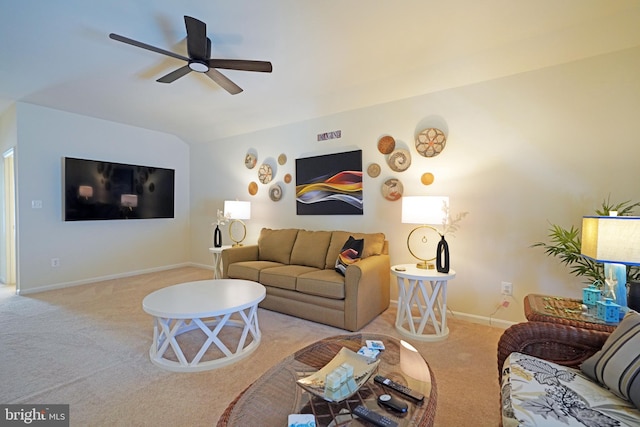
<point x="330" y="184"/>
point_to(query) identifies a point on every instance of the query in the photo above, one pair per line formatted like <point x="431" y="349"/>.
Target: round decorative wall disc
<point x="392" y="189"/>
<point x="265" y="173"/>
<point x="282" y="159"/>
<point x="399" y="160"/>
<point x="275" y="192"/>
<point x="430" y="142"/>
<point x="427" y="178"/>
<point x="373" y="170"/>
<point x="386" y="144"/>
<point x="287" y="178"/>
<point x="250" y="160"/>
<point x="253" y="188"/>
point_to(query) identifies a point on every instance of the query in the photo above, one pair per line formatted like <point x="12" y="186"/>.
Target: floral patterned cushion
<point x="536" y="392"/>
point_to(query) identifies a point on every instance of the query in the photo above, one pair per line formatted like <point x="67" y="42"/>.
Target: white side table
<point x="430" y="302"/>
<point x="217" y="260"/>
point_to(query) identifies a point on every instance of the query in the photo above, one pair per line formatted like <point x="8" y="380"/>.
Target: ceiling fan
<point x="199" y="60"/>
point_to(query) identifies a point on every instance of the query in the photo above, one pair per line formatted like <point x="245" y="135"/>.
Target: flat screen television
<point x="101" y="190"/>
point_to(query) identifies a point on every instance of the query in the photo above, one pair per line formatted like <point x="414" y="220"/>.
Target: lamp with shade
<point x="614" y="241"/>
<point x="237" y="211"/>
<point x="427" y="211"/>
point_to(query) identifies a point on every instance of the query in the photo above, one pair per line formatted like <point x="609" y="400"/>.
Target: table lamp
<point x="613" y="240"/>
<point x="237" y="211"/>
<point x="426" y="210"/>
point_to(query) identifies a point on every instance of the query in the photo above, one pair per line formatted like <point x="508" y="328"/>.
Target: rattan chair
<point x="561" y="344"/>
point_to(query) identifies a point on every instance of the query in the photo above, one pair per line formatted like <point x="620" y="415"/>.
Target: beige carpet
<point x="88" y="346"/>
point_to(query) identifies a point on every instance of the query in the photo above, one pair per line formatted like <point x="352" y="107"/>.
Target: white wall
<point x="522" y="151"/>
<point x="89" y="250"/>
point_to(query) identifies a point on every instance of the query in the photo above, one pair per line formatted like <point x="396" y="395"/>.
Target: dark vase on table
<point x="217" y="237"/>
<point x="633" y="301"/>
<point x="442" y="256"/>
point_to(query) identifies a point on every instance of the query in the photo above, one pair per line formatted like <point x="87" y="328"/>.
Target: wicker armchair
<point x="561" y="344"/>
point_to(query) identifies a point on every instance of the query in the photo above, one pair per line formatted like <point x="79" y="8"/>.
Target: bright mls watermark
<point x="34" y="415"/>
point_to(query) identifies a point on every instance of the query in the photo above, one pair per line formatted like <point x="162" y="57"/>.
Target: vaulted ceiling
<point x="328" y="56"/>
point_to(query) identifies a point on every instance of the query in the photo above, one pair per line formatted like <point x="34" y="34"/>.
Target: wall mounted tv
<point x="99" y="190"/>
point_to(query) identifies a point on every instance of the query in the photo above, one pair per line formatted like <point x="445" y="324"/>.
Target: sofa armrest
<point x="366" y="290"/>
<point x="237" y="254"/>
<point x="561" y="344"/>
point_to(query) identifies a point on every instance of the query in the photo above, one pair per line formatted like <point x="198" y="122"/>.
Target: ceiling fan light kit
<point x="199" y="60"/>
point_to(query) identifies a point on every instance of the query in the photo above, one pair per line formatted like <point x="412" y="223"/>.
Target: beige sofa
<point x="298" y="269"/>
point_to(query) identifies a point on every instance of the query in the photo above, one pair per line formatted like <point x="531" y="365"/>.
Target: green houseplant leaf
<point x="565" y="245"/>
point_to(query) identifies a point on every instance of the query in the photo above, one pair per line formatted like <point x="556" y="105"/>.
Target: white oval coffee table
<point x="207" y="305"/>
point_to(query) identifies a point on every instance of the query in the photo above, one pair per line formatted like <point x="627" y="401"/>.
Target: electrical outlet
<point x="55" y="262"/>
<point x="507" y="288"/>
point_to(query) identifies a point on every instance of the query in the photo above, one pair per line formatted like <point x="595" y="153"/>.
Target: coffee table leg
<point x="167" y="337"/>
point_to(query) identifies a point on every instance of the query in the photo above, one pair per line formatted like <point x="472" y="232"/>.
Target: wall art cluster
<point x="266" y="173"/>
<point x="429" y="143"/>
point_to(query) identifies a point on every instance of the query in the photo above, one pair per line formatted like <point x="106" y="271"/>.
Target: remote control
<point x="393" y="403"/>
<point x="405" y="391"/>
<point x="373" y="417"/>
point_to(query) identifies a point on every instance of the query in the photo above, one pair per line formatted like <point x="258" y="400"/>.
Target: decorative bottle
<point x="217" y="237"/>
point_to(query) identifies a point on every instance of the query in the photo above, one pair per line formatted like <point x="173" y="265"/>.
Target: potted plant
<point x="565" y="244"/>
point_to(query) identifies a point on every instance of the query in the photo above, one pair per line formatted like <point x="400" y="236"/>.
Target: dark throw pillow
<point x="617" y="365"/>
<point x="350" y="253"/>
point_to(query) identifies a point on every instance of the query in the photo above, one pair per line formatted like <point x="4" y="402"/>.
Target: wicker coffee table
<point x="275" y="395"/>
<point x="564" y="311"/>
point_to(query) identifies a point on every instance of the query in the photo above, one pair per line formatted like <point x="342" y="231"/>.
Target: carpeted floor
<point x="88" y="346"/>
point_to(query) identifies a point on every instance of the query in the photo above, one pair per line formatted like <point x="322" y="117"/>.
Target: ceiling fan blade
<point x="175" y="75"/>
<point x="198" y="45"/>
<point x="223" y="81"/>
<point x="146" y="46"/>
<point x="241" y="64"/>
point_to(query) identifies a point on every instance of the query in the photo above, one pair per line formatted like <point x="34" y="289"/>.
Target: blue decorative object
<point x="590" y="295"/>
<point x="617" y="274"/>
<point x="608" y="311"/>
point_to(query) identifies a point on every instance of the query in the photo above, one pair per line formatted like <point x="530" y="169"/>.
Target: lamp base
<point x="243" y="232"/>
<point x="425" y="265"/>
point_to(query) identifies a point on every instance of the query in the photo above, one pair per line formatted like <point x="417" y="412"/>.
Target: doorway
<point x="10" y="220"/>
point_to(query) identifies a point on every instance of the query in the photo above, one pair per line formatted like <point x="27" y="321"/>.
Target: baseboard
<point x="203" y="266"/>
<point x="103" y="278"/>
<point x="474" y="318"/>
<point x="483" y="320"/>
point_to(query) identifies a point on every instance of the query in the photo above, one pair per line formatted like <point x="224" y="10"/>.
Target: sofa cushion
<point x="536" y="392"/>
<point x="249" y="270"/>
<point x="310" y="248"/>
<point x="351" y="252"/>
<point x="276" y="245"/>
<point x="617" y="364"/>
<point x="284" y="276"/>
<point x="324" y="283"/>
<point x="373" y="245"/>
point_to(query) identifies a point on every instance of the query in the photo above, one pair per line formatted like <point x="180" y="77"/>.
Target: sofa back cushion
<point x="373" y="245"/>
<point x="276" y="245"/>
<point x="310" y="248"/>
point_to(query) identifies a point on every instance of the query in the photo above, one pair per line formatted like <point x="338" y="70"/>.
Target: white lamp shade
<point x="424" y="209"/>
<point x="611" y="239"/>
<point x="237" y="210"/>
